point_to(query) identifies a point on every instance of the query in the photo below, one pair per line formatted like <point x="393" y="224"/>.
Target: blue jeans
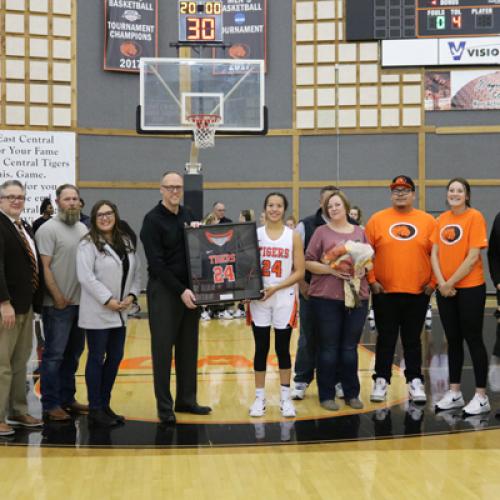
<point x="64" y="343"/>
<point x="338" y="332"/>
<point x="305" y="360"/>
<point x="104" y="357"/>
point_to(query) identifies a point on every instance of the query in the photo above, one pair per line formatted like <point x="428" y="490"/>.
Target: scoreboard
<point x="407" y="19"/>
<point x="200" y="21"/>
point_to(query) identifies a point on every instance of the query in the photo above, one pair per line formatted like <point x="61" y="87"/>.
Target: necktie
<point x="35" y="280"/>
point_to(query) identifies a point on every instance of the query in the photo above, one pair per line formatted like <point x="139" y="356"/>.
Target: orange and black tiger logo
<point x="451" y="234"/>
<point x="219" y="238"/>
<point x="403" y="231"/>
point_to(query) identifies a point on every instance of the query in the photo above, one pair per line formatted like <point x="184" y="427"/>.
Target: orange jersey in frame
<point x="402" y="244"/>
<point x="455" y="235"/>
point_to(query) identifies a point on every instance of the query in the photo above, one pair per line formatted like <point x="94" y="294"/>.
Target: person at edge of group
<point x="356" y="214"/>
<point x="305" y="360"/>
<point x="20" y="294"/>
<point x="58" y="240"/>
<point x="291" y="222"/>
<point x="282" y="265"/>
<point x="402" y="283"/>
<point x="173" y="314"/>
<point x="84" y="218"/>
<point x="461" y="293"/>
<point x="46" y="212"/>
<point x="340" y="324"/>
<point x="494" y="262"/>
<point x="108" y="271"/>
<point x="219" y="211"/>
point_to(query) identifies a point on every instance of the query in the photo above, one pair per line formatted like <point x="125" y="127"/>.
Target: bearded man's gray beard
<point x="70" y="216"/>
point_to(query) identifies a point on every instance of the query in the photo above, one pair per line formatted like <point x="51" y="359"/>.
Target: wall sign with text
<point x="245" y="31"/>
<point x="130" y="32"/>
<point x="41" y="161"/>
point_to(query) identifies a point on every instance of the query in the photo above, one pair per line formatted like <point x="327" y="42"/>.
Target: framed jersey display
<point x="224" y="263"/>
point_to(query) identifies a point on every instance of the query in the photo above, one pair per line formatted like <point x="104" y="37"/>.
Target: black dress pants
<point x="172" y="324"/>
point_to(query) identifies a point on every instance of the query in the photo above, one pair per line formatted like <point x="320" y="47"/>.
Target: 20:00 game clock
<point x="200" y="21"/>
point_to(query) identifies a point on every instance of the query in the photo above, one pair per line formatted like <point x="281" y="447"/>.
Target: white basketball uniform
<point x="276" y="262"/>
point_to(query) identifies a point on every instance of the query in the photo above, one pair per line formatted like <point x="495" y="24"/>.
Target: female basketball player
<point x="461" y="296"/>
<point x="282" y="265"/>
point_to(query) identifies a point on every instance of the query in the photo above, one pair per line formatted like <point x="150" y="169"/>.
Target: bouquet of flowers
<point x="351" y="259"/>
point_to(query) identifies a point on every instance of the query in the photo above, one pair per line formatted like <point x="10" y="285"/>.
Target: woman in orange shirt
<point x="461" y="296"/>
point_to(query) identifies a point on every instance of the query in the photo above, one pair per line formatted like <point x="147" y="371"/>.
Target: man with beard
<point x="57" y="241"/>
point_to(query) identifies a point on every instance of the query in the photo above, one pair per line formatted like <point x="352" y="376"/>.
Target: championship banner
<point x="224" y="263"/>
<point x="245" y="30"/>
<point x="41" y="161"/>
<point x="462" y="90"/>
<point x="130" y="32"/>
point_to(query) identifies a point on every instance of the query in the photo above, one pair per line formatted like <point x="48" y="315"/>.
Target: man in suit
<point x="20" y="268"/>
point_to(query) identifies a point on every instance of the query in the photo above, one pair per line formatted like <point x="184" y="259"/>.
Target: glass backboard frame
<point x="243" y="91"/>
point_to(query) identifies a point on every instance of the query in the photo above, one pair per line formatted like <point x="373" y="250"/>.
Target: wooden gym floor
<point x="385" y="451"/>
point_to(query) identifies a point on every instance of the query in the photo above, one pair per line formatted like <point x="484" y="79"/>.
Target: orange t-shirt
<point x="455" y="235"/>
<point x="402" y="244"/>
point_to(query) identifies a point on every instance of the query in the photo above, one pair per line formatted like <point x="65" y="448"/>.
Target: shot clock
<point x="200" y="21"/>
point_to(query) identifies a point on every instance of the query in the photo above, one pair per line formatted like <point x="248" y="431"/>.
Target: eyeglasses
<point x="171" y="189"/>
<point x="401" y="192"/>
<point x="103" y="215"/>
<point x="11" y="198"/>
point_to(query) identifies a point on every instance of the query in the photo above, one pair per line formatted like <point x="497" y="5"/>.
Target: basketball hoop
<point x="204" y="127"/>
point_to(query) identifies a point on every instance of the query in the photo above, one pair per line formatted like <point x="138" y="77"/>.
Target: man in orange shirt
<point x="401" y="282"/>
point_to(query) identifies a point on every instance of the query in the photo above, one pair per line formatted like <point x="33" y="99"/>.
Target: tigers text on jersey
<point x="276" y="256"/>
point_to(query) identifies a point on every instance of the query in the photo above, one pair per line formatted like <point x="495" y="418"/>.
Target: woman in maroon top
<point x="338" y="328"/>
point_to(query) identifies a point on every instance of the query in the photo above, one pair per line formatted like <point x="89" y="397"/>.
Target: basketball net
<point x="204" y="128"/>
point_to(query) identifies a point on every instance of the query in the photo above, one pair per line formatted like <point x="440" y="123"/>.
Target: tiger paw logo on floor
<point x="403" y="231"/>
<point x="451" y="234"/>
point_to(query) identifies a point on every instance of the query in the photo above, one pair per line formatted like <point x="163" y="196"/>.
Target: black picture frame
<point x="223" y="263"/>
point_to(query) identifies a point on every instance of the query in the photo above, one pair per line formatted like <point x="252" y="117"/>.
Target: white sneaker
<point x="260" y="430"/>
<point x="416" y="391"/>
<point x="258" y="409"/>
<point x="428" y="318"/>
<point x="415" y="412"/>
<point x="205" y="316"/>
<point x="226" y="314"/>
<point x="299" y="391"/>
<point x="287" y="408"/>
<point x="379" y="391"/>
<point x="478" y="405"/>
<point x="477" y="422"/>
<point x="452" y="418"/>
<point x="286" y="428"/>
<point x="371" y="319"/>
<point x="339" y="392"/>
<point x="238" y="314"/>
<point x="450" y="400"/>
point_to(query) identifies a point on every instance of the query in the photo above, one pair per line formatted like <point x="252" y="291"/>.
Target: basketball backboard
<point x="172" y="90"/>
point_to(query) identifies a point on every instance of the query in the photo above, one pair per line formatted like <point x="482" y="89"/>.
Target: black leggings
<point x="262" y="336"/>
<point x="462" y="319"/>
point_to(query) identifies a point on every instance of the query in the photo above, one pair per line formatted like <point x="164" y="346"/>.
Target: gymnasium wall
<point x="335" y="115"/>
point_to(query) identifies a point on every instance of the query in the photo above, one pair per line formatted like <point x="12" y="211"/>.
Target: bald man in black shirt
<point x="173" y="314"/>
